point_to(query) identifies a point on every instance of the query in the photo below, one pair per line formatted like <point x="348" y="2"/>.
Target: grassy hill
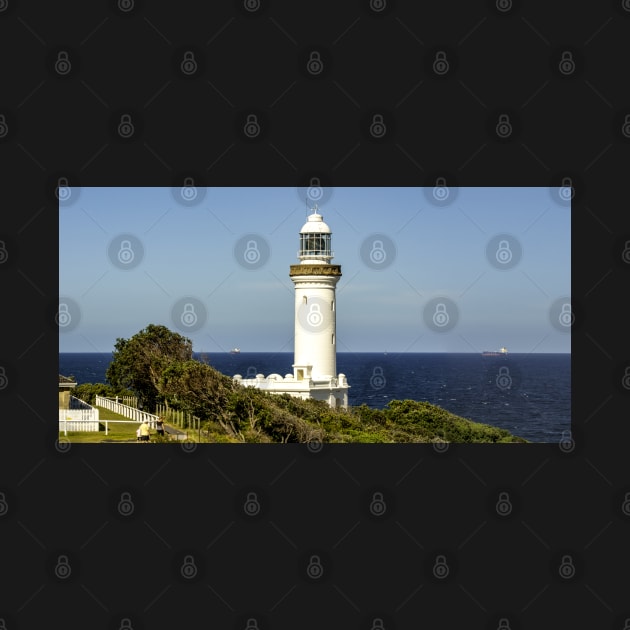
<point x="232" y="413"/>
<point x="251" y="415"/>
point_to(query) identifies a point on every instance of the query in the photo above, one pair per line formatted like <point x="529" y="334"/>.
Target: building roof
<point x="65" y="381"/>
<point x="315" y="224"/>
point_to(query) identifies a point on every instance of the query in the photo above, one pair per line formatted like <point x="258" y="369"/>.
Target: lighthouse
<point x="315" y="350"/>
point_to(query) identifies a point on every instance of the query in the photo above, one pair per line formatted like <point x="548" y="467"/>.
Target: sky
<point x="423" y="269"/>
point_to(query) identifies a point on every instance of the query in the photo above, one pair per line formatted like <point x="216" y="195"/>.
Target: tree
<point x="89" y="391"/>
<point x="139" y="362"/>
<point x="196" y="388"/>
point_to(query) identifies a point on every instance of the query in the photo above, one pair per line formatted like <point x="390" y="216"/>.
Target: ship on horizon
<point x="502" y="352"/>
<point x="235" y="351"/>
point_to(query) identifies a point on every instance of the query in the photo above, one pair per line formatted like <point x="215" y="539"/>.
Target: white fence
<point x="127" y="411"/>
<point x="79" y="417"/>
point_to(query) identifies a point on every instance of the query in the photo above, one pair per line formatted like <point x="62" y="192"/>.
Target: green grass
<point x="121" y="433"/>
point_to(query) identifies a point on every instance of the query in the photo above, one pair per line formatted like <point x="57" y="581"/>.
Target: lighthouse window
<point x="333" y="339"/>
<point x="304" y="300"/>
<point x="332" y="306"/>
<point x="315" y="244"/>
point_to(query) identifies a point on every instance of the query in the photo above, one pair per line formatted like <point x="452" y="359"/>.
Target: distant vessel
<point x="502" y="352"/>
<point x="235" y="351"/>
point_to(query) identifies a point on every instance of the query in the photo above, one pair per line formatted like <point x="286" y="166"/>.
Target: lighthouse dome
<point x="315" y="225"/>
<point x="315" y="241"/>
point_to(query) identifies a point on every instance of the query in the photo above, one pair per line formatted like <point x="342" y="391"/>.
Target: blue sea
<point x="527" y="394"/>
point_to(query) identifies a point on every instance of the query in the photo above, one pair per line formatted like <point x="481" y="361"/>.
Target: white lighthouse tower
<point x="315" y="353"/>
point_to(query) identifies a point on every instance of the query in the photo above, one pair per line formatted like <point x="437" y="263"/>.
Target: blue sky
<point x="422" y="272"/>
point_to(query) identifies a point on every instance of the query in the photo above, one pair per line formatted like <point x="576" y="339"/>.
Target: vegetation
<point x="157" y="366"/>
<point x="89" y="391"/>
<point x="138" y="363"/>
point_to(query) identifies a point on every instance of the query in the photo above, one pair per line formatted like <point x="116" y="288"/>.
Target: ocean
<point x="527" y="394"/>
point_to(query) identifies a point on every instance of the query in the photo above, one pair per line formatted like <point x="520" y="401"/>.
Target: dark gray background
<point x="377" y="59"/>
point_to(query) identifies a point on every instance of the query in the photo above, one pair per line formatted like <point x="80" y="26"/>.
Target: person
<point x="144" y="431"/>
<point x="138" y="434"/>
<point x="159" y="425"/>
